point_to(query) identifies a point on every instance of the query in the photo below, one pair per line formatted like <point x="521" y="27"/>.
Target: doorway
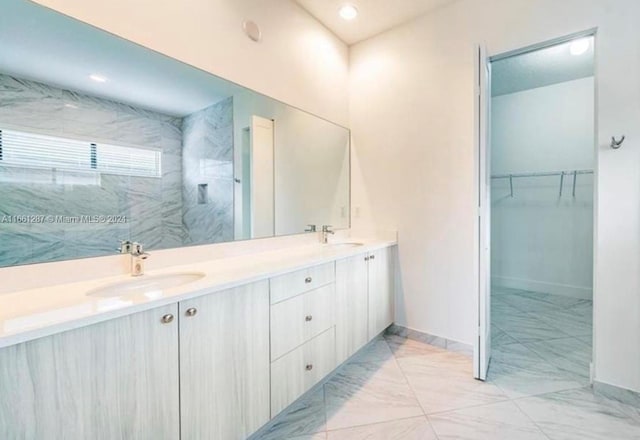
<point x="536" y="216"/>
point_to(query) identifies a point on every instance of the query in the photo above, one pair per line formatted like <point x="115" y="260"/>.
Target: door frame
<point x="482" y="341"/>
<point x="482" y="152"/>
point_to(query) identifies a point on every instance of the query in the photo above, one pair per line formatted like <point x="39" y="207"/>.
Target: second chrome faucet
<point x="326" y="230"/>
<point x="138" y="255"/>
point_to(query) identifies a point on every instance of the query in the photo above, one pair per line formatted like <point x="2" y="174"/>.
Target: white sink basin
<point x="345" y="244"/>
<point x="145" y="284"/>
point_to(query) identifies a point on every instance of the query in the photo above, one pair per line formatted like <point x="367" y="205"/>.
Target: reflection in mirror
<point x="102" y="140"/>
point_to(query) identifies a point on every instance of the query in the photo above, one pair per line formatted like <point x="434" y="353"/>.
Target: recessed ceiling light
<point x="580" y="46"/>
<point x="98" y="78"/>
<point x="348" y="12"/>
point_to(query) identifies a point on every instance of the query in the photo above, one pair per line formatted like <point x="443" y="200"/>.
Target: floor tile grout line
<point x="480" y="405"/>
<point x="376" y="423"/>
<point x="548" y="393"/>
<point x="530" y="315"/>
<point x="413" y="392"/>
<point x="531" y="419"/>
<point x="502" y="400"/>
<point x="433" y="428"/>
<point x="562" y="390"/>
<point x="376" y="361"/>
<point x="537" y="353"/>
<point x="406" y="380"/>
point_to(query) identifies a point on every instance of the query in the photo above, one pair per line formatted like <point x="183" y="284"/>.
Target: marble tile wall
<point x="207" y="159"/>
<point x="153" y="207"/>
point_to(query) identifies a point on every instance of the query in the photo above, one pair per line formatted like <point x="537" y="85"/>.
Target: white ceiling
<point x="544" y="67"/>
<point x="374" y="16"/>
<point x="39" y="44"/>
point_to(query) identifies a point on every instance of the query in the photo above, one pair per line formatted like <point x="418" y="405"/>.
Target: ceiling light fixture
<point x="348" y="12"/>
<point x="98" y="78"/>
<point x="578" y="47"/>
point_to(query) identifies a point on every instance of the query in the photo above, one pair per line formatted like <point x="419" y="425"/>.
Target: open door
<point x="482" y="352"/>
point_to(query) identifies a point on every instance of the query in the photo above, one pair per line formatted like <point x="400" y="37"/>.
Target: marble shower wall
<point x="207" y="167"/>
<point x="152" y="206"/>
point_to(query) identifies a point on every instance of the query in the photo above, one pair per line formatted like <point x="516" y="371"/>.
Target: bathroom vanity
<point x="213" y="358"/>
<point x="106" y="142"/>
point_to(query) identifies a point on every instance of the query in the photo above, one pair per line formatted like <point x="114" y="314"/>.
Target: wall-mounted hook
<point x="617" y="144"/>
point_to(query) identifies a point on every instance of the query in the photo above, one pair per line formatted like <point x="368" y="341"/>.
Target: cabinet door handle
<point x="372" y="257"/>
<point x="366" y="258"/>
<point x="166" y="319"/>
<point x="191" y="311"/>
<point x="308" y="318"/>
<point x="308" y="280"/>
<point x="309" y="367"/>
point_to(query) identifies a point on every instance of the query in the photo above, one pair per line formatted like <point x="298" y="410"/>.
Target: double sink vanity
<point x="212" y="350"/>
<point x="237" y="313"/>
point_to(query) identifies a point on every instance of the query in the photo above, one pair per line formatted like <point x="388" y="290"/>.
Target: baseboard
<point x="613" y="392"/>
<point x="544" y="287"/>
<point x="438" y="341"/>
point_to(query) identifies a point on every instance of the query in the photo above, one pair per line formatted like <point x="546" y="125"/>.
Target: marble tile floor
<point x="398" y="388"/>
<point x="526" y="326"/>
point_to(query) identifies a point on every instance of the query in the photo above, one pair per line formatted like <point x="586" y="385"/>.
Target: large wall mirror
<point x="102" y="140"/>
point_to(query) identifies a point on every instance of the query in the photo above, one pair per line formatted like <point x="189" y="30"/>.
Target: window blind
<point x="32" y="150"/>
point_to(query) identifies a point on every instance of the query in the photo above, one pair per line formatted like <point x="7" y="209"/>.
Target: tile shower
<point x="160" y="212"/>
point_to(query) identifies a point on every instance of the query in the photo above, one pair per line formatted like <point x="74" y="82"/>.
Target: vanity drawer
<point x="294" y="283"/>
<point x="298" y="319"/>
<point x="298" y="371"/>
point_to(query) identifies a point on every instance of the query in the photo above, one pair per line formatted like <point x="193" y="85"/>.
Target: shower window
<point x="31" y="150"/>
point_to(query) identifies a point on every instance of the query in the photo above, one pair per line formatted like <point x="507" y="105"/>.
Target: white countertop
<point x="29" y="314"/>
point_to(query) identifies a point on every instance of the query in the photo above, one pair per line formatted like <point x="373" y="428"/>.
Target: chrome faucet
<point x="326" y="230"/>
<point x="311" y="228"/>
<point x="138" y="255"/>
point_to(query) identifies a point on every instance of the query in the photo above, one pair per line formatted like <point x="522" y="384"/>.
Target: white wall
<point x="544" y="129"/>
<point x="539" y="240"/>
<point x="412" y="116"/>
<point x="298" y="60"/>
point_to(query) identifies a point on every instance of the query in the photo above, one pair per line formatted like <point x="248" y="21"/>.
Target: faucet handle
<point x="137" y="250"/>
<point x="327" y="228"/>
<point x="125" y="247"/>
<point x="311" y="228"/>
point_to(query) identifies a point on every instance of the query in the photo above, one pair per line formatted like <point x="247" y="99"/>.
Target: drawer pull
<point x="309" y="367"/>
<point x="308" y="318"/>
<point x="372" y="257"/>
<point x="191" y="311"/>
<point x="308" y="280"/>
<point x="166" y="319"/>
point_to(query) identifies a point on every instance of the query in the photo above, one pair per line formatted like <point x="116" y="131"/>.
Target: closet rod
<point x="541" y="174"/>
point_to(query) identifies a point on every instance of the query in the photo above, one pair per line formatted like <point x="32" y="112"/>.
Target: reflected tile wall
<point x="207" y="159"/>
<point x="153" y="207"/>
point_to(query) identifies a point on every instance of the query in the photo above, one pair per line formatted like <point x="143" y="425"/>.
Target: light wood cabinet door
<point x="381" y="290"/>
<point x="113" y="380"/>
<point x="352" y="301"/>
<point x="224" y="363"/>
